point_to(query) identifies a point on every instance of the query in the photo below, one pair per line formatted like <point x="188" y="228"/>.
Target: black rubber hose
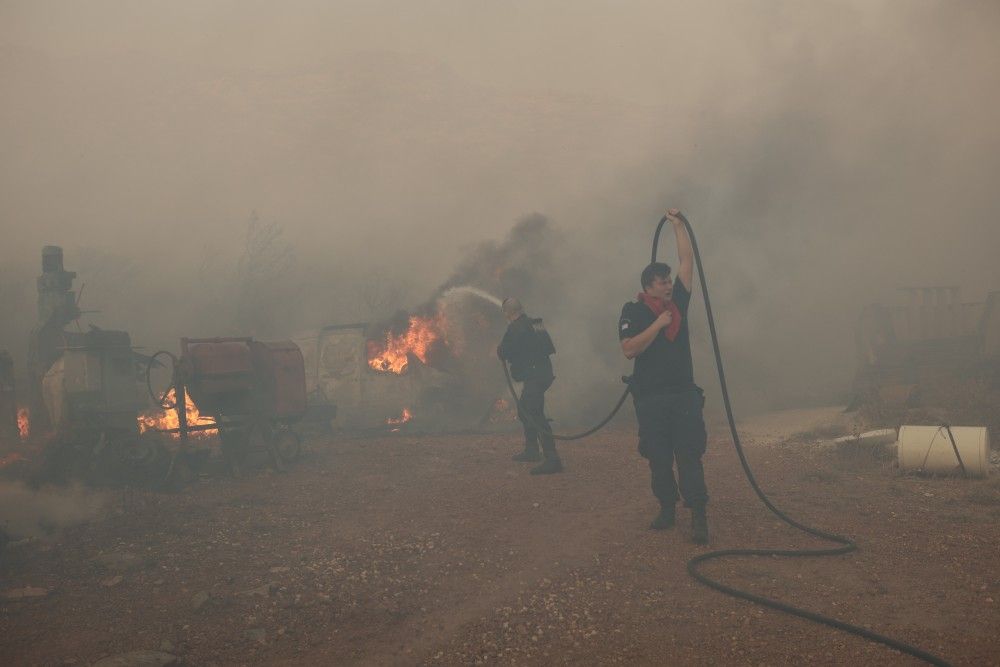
<point x="847" y="545"/>
<point x="954" y="446"/>
<point x="545" y="428"/>
<point x="161" y="400"/>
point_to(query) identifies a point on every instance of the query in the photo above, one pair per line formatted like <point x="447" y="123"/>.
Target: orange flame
<point x="158" y="420"/>
<point x="392" y="355"/>
<point x="502" y="411"/>
<point x="397" y="422"/>
<point x="23" y="423"/>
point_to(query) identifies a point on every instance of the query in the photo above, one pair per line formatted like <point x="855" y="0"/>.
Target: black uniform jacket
<point x="527" y="350"/>
<point x="665" y="366"/>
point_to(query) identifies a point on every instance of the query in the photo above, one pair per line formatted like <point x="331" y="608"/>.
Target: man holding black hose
<point x="527" y="346"/>
<point x="668" y="404"/>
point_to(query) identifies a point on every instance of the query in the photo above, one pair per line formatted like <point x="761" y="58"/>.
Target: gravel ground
<point x="409" y="549"/>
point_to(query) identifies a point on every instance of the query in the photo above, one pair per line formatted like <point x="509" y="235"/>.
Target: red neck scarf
<point x="658" y="306"/>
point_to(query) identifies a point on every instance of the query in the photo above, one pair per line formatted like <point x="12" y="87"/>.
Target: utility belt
<point x="536" y="371"/>
<point x="666" y="392"/>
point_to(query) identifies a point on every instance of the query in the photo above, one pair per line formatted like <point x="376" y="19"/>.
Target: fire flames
<point x="502" y="411"/>
<point x="393" y="354"/>
<point x="167" y="419"/>
<point x="23" y="423"/>
<point x="399" y="421"/>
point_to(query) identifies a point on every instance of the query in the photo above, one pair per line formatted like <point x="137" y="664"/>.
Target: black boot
<point x="665" y="519"/>
<point x="527" y="456"/>
<point x="699" y="525"/>
<point x="548" y="467"/>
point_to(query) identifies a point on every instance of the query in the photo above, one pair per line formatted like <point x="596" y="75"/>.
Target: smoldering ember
<point x="411" y="333"/>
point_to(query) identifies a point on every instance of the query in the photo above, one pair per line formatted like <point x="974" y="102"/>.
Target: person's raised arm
<point x="685" y="271"/>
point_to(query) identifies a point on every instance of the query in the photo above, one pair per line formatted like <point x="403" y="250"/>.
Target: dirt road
<point x="440" y="550"/>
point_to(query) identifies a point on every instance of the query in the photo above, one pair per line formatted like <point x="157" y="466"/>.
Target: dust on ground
<point x="441" y="550"/>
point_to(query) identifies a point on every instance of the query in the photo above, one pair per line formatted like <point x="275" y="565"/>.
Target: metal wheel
<point x="235" y="447"/>
<point x="137" y="460"/>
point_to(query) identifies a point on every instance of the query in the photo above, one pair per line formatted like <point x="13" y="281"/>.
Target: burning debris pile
<point x="423" y="338"/>
<point x="251" y="392"/>
<point x="80" y="395"/>
<point x="23" y="434"/>
<point x="399" y="421"/>
<point x="167" y="419"/>
<point x="503" y="411"/>
<point x="15" y="428"/>
<point x="23" y="423"/>
<point x="417" y="362"/>
<point x="435" y="364"/>
<point x="88" y="416"/>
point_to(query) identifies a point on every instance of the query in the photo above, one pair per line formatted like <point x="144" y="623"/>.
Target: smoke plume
<point x="827" y="153"/>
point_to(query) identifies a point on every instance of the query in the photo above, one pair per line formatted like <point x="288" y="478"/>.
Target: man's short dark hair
<point x="511" y="306"/>
<point x="654" y="270"/>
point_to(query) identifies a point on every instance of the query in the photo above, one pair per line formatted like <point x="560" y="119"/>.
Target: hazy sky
<point x="827" y="152"/>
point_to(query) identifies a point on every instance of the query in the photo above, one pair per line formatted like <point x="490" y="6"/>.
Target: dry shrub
<point x="954" y="402"/>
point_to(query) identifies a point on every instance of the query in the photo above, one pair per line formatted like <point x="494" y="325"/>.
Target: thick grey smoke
<point x="27" y="512"/>
<point x="826" y="153"/>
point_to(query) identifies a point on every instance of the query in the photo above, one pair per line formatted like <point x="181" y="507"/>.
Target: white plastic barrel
<point x="928" y="448"/>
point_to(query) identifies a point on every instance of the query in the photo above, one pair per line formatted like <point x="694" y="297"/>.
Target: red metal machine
<point x="8" y="400"/>
<point x="252" y="390"/>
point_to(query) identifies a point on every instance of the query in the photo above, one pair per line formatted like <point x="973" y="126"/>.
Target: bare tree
<point x="264" y="287"/>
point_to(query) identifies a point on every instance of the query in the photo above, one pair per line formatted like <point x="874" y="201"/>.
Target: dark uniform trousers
<point x="671" y="428"/>
<point x="531" y="411"/>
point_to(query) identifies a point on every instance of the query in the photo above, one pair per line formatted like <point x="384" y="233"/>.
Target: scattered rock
<point x="139" y="659"/>
<point x="261" y="591"/>
<point x="112" y="581"/>
<point x="26" y="592"/>
<point x="275" y="570"/>
<point x="120" y="561"/>
<point x="199" y="599"/>
<point x="167" y="646"/>
<point x="257" y="635"/>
